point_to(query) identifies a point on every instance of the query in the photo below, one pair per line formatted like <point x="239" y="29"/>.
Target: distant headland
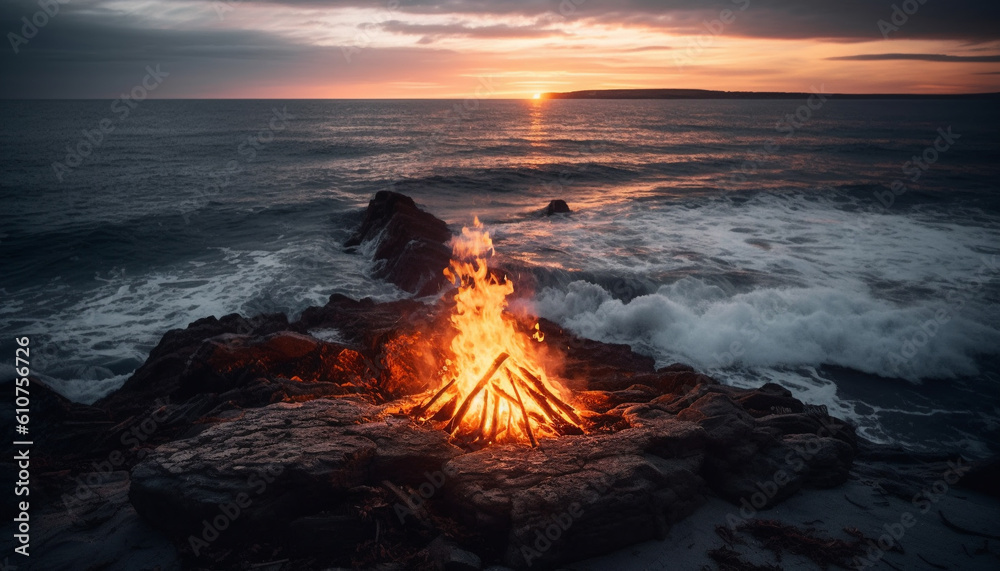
<point x="710" y="94"/>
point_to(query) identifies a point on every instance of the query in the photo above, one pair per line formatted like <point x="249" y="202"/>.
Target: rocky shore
<point x="260" y="443"/>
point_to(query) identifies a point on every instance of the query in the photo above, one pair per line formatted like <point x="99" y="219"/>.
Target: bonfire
<point x="495" y="388"/>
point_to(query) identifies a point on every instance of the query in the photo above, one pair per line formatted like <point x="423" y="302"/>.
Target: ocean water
<point x="715" y="233"/>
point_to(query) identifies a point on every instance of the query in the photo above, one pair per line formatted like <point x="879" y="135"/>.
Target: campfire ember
<point x="494" y="388"/>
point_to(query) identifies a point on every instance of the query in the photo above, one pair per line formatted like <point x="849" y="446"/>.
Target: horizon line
<point x="528" y="97"/>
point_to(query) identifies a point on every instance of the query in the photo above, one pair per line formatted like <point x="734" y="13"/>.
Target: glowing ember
<point x="494" y="389"/>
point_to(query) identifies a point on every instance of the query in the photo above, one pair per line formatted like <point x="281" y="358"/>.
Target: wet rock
<point x="557" y="207"/>
<point x="410" y="244"/>
<point x="771" y="399"/>
<point x="97" y="525"/>
<point x="606" y="366"/>
<point x="449" y="557"/>
<point x="828" y="460"/>
<point x="726" y="424"/>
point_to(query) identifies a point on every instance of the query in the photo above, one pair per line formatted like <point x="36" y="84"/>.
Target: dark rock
<point x="983" y="477"/>
<point x="159" y="377"/>
<point x="808" y="423"/>
<point x="588" y="359"/>
<point x="411" y="244"/>
<point x="95" y="527"/>
<point x="289" y="460"/>
<point x="771" y="399"/>
<point x="52" y="409"/>
<point x="725" y="423"/>
<point x="557" y="207"/>
<point x="229" y="362"/>
<point x="261" y="413"/>
<point x="604" y="492"/>
<point x="405" y="338"/>
<point x="828" y="459"/>
<point x="447" y="556"/>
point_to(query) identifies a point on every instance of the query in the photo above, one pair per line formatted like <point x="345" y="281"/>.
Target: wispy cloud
<point x="918" y="57"/>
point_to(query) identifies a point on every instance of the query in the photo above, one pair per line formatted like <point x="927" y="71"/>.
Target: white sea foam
<point x="694" y="322"/>
<point x="85" y="345"/>
<point x="774" y="287"/>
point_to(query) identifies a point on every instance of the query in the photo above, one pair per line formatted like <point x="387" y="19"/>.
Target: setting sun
<point x="536" y="96"/>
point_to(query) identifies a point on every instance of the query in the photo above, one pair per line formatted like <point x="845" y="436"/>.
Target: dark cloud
<point x="461" y="30"/>
<point x="843" y="20"/>
<point x="920" y="57"/>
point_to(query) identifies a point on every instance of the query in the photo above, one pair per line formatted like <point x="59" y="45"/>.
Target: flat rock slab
<point x="292" y="470"/>
<point x="284" y="460"/>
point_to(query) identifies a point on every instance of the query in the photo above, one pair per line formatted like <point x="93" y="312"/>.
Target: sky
<point x="493" y="48"/>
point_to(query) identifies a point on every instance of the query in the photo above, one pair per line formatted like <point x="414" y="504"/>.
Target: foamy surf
<point x="89" y="343"/>
<point x="695" y="322"/>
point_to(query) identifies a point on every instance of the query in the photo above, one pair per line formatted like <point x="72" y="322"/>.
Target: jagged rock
<point x="411" y="244"/>
<point x="311" y="439"/>
<point x="159" y="376"/>
<point x="405" y="338"/>
<point x="230" y="361"/>
<point x="604" y="365"/>
<point x="828" y="460"/>
<point x="771" y="399"/>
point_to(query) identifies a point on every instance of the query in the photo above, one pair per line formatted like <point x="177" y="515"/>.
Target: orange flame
<point x="494" y="389"/>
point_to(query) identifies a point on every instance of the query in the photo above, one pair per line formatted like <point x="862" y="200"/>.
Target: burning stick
<point x="496" y="420"/>
<point x="457" y="419"/>
<point x="481" y="431"/>
<point x="558" y="422"/>
<point x="524" y="413"/>
<point x="420" y="410"/>
<point x="570" y="412"/>
<point x="539" y="399"/>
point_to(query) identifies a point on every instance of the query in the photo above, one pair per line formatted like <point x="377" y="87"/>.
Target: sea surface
<point x="715" y="233"/>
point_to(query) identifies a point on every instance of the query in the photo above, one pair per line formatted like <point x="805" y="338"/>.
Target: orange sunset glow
<point x="428" y="49"/>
